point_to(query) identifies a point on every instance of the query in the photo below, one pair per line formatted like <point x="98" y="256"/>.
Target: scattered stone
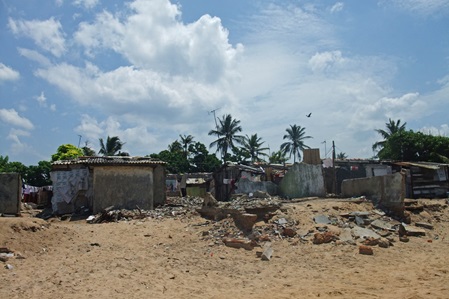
<point x="384" y="243"/>
<point x="366" y="250"/>
<point x="371" y="241"/>
<point x="321" y="219"/>
<point x="288" y="232"/>
<point x="424" y="224"/>
<point x="326" y="237"/>
<point x="407" y="230"/>
<point x="238" y="243"/>
<point x="359" y="221"/>
<point x="9" y="266"/>
<point x="346" y="237"/>
<point x="407" y="217"/>
<point x="404" y="239"/>
<point x="380" y="224"/>
<point x="260" y="194"/>
<point x="363" y="233"/>
<point x="267" y="252"/>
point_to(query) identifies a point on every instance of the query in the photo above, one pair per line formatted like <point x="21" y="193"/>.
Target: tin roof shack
<point x="10" y="193"/>
<point x="303" y="180"/>
<point x="351" y="169"/>
<point x="101" y="182"/>
<point x="198" y="184"/>
<point x="425" y="179"/>
<point x="236" y="178"/>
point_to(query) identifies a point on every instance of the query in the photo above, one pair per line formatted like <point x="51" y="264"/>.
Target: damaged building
<point x="100" y="182"/>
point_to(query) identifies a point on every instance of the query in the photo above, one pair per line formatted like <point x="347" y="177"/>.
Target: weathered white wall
<point x="386" y="191"/>
<point x="303" y="180"/>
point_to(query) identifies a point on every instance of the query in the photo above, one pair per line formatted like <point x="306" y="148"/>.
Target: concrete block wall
<point x="10" y="193"/>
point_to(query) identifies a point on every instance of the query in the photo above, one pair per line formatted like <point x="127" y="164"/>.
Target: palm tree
<point x="226" y="132"/>
<point x="296" y="144"/>
<point x="252" y="146"/>
<point x="186" y="141"/>
<point x="112" y="147"/>
<point x="392" y="128"/>
<point x="342" y="156"/>
<point x="277" y="157"/>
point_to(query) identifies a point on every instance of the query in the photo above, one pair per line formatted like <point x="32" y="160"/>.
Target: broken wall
<point x="247" y="186"/>
<point x="10" y="193"/>
<point x="386" y="191"/>
<point x="303" y="180"/>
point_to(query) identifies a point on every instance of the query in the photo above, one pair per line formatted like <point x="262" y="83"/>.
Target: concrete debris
<point x="366" y="250"/>
<point x="364" y="233"/>
<point x="380" y="224"/>
<point x="408" y="230"/>
<point x="322" y="219"/>
<point x="240" y="243"/>
<point x="244" y="221"/>
<point x="267" y="252"/>
<point x="326" y="237"/>
<point x="424" y="225"/>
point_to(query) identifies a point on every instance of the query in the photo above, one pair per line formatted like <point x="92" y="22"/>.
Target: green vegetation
<point x="295" y="135"/>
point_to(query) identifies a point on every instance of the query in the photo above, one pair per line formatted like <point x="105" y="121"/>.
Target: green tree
<point x="186" y="140"/>
<point x="112" y="147"/>
<point x="415" y="147"/>
<point x="201" y="160"/>
<point x="175" y="147"/>
<point x="252" y="145"/>
<point x="227" y="135"/>
<point x="87" y="150"/>
<point x="39" y="175"/>
<point x="278" y="157"/>
<point x="66" y="152"/>
<point x="295" y="135"/>
<point x="392" y="127"/>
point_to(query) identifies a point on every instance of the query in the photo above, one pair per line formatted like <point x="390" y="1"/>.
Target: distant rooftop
<point x="110" y="160"/>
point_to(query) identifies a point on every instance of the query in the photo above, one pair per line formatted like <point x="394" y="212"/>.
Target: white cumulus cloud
<point x="11" y="117"/>
<point x="47" y="34"/>
<point x="8" y="74"/>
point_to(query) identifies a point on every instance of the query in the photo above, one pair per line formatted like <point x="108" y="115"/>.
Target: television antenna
<point x="215" y="118"/>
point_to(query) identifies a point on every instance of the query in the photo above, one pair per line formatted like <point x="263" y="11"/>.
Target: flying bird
<point x="308" y="115"/>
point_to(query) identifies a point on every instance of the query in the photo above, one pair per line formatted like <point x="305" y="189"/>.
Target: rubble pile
<point x="249" y="222"/>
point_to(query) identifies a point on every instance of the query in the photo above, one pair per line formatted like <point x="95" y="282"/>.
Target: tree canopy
<point x="67" y="152"/>
<point x="227" y="135"/>
<point x="112" y="147"/>
<point x="296" y="136"/>
<point x="415" y="146"/>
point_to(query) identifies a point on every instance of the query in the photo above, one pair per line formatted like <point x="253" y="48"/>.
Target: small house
<point x="100" y="182"/>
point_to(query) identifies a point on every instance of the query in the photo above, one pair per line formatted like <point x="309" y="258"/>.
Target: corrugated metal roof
<point x="111" y="160"/>
<point x="427" y="165"/>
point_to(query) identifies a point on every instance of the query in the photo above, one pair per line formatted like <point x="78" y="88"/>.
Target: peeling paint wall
<point x="386" y="191"/>
<point x="303" y="180"/>
<point x="10" y="193"/>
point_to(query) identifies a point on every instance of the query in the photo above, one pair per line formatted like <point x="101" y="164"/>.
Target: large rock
<point x="245" y="221"/>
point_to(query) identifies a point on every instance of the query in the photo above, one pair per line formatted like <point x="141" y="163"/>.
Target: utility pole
<point x="334" y="187"/>
<point x="79" y="141"/>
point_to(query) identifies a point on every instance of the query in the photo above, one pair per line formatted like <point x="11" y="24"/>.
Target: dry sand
<point x="172" y="257"/>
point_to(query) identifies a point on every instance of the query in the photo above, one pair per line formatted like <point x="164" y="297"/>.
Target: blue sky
<point x="148" y="71"/>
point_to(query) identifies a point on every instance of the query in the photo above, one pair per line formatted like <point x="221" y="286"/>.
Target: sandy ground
<point x="178" y="257"/>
